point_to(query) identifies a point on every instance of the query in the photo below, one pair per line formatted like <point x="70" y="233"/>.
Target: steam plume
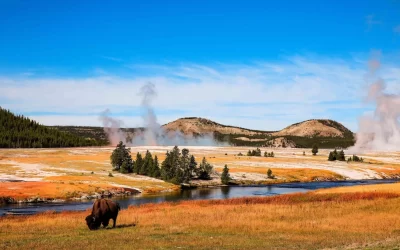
<point x="154" y="134"/>
<point x="112" y="128"/>
<point x="380" y="131"/>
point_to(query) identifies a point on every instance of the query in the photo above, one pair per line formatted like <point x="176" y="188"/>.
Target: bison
<point x="103" y="210"/>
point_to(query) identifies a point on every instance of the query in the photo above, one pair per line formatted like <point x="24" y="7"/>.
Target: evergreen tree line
<point x="256" y="152"/>
<point x="267" y="154"/>
<point x="336" y="156"/>
<point x="122" y="161"/>
<point x="178" y="166"/>
<point x="355" y="158"/>
<point x="181" y="167"/>
<point x="17" y="131"/>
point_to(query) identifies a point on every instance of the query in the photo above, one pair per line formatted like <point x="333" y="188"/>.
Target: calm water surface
<point x="192" y="194"/>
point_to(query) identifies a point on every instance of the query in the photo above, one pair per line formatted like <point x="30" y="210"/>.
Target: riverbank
<point x="356" y="220"/>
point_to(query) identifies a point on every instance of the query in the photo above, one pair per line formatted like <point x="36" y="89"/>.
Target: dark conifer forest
<point x="17" y="131"/>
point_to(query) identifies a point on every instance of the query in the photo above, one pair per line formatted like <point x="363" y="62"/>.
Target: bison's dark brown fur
<point x="103" y="210"/>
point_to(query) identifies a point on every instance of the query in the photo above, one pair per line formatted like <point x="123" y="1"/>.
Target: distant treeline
<point x="301" y="142"/>
<point x="17" y="131"/>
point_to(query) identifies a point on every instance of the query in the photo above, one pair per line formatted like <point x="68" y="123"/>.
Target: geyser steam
<point x="380" y="131"/>
<point x="153" y="129"/>
<point x="112" y="128"/>
<point x="154" y="134"/>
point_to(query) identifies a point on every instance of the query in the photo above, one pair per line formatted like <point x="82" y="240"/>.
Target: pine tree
<point x="192" y="166"/>
<point x="204" y="170"/>
<point x="147" y="164"/>
<point x="331" y="157"/>
<point x="341" y="156"/>
<point x="138" y="163"/>
<point x="167" y="168"/>
<point x="121" y="159"/>
<point x="314" y="149"/>
<point x="269" y="174"/>
<point x="185" y="166"/>
<point x="156" y="168"/>
<point x="225" y="176"/>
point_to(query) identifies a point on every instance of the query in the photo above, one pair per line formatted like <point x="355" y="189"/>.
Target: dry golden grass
<point x="387" y="188"/>
<point x="62" y="190"/>
<point x="299" y="221"/>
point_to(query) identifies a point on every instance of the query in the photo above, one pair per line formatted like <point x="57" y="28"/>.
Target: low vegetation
<point x="225" y="176"/>
<point x="314" y="149"/>
<point x="269" y="174"/>
<point x="254" y="152"/>
<point x="267" y="154"/>
<point x="336" y="156"/>
<point x="355" y="158"/>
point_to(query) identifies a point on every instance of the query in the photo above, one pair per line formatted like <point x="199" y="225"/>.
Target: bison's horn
<point x="94" y="218"/>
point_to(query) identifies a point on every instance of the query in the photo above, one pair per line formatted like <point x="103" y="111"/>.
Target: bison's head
<point x="93" y="222"/>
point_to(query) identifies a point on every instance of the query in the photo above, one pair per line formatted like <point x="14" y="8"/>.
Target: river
<point x="190" y="194"/>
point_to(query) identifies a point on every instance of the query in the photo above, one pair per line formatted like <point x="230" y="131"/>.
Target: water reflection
<point x="225" y="192"/>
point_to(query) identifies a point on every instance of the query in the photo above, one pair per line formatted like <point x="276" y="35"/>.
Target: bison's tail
<point x="118" y="207"/>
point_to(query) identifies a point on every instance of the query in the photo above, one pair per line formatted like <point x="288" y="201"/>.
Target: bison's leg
<point x="105" y="222"/>
<point x="114" y="221"/>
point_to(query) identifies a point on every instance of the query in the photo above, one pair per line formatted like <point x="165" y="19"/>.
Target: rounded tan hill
<point x="321" y="128"/>
<point x="196" y="125"/>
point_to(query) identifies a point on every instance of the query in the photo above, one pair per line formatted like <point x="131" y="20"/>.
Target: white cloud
<point x="261" y="95"/>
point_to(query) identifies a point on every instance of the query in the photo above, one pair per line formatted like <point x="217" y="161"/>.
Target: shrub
<point x="266" y="154"/>
<point x="253" y="152"/>
<point x="269" y="174"/>
<point x="336" y="156"/>
<point x="225" y="176"/>
<point x="314" y="149"/>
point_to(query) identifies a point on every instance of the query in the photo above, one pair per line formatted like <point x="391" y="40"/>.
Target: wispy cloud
<point x="371" y="21"/>
<point x="115" y="59"/>
<point x="260" y="95"/>
<point x="397" y="29"/>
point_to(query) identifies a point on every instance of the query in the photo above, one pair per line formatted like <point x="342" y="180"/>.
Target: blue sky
<point x="258" y="64"/>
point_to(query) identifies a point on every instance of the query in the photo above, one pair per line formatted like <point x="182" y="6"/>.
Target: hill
<point x="325" y="133"/>
<point x="198" y="125"/>
<point x="315" y="128"/>
<point x="21" y="132"/>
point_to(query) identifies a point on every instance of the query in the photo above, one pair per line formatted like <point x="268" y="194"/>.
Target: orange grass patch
<point x="387" y="188"/>
<point x="21" y="190"/>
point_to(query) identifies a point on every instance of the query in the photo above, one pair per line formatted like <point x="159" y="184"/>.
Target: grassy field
<point x="62" y="173"/>
<point x="359" y="220"/>
<point x="358" y="217"/>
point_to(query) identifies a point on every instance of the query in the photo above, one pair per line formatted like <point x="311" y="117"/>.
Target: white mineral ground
<point x="295" y="159"/>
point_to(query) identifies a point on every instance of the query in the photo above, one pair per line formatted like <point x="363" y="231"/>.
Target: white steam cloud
<point x="153" y="133"/>
<point x="112" y="128"/>
<point x="381" y="130"/>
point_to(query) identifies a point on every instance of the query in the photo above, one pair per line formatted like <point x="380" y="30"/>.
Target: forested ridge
<point x="17" y="131"/>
